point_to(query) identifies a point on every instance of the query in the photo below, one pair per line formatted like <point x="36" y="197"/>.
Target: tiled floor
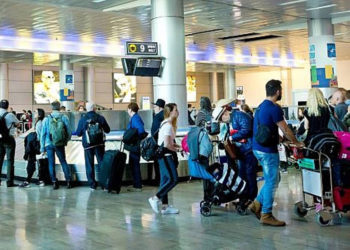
<point x="40" y="218"/>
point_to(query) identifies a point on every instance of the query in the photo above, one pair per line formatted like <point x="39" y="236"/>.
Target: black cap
<point x="160" y="103"/>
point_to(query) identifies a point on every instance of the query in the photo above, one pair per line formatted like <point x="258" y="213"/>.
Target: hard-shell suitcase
<point x="112" y="170"/>
<point x="344" y="139"/>
<point x="342" y="198"/>
<point x="43" y="170"/>
<point x="341" y="173"/>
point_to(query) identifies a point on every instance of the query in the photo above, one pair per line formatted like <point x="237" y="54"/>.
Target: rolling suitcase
<point x="111" y="174"/>
<point x="43" y="170"/>
<point x="344" y="139"/>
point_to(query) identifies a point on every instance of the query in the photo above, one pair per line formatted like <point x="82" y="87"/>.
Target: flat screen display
<point x="46" y="84"/>
<point x="148" y="67"/>
<point x="124" y="88"/>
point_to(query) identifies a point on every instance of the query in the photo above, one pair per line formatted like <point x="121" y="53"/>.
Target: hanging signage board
<point x="141" y="48"/>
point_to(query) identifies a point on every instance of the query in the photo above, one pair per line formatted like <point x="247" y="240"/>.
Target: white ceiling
<point x="85" y="19"/>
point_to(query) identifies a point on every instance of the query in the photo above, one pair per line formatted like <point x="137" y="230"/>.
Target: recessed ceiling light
<point x="322" y="7"/>
<point x="246" y="21"/>
<point x="341" y="12"/>
<point x="98" y="1"/>
<point x="292" y="2"/>
<point x="192" y="11"/>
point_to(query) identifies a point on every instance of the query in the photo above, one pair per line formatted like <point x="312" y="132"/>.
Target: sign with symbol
<point x="331" y="50"/>
<point x="141" y="48"/>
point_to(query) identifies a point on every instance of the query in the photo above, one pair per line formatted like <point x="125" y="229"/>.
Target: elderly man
<point x="338" y="100"/>
<point x="92" y="127"/>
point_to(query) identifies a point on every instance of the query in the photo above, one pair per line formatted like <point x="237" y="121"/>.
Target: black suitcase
<point x="43" y="170"/>
<point x="341" y="173"/>
<point x="112" y="170"/>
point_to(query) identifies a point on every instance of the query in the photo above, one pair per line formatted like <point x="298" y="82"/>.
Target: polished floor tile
<point x="40" y="218"/>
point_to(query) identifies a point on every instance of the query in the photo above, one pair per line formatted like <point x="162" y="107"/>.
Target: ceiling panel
<point x="85" y="20"/>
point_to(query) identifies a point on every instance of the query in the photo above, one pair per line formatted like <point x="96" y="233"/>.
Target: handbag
<point x="263" y="136"/>
<point x="231" y="149"/>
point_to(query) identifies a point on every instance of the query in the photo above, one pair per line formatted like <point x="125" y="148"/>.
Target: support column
<point x="287" y="88"/>
<point x="214" y="87"/>
<point x="168" y="30"/>
<point x="90" y="89"/>
<point x="66" y="68"/>
<point x="230" y="84"/>
<point x="322" y="53"/>
<point x="4" y="82"/>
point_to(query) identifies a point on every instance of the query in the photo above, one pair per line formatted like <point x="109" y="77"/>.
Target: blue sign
<point x="331" y="50"/>
<point x="69" y="79"/>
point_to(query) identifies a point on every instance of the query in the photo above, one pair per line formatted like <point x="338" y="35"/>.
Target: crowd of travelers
<point x="255" y="135"/>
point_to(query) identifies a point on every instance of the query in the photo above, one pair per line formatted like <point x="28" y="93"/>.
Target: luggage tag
<point x="327" y="164"/>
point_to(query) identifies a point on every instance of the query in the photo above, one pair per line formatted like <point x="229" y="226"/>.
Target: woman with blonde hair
<point x="167" y="162"/>
<point x="317" y="113"/>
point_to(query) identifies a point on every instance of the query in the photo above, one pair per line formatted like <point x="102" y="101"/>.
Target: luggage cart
<point x="315" y="174"/>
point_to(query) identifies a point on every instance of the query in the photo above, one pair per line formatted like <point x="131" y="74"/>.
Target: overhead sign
<point x="141" y="48"/>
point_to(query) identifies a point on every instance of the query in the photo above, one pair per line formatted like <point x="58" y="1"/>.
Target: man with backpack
<point x="8" y="126"/>
<point x="55" y="134"/>
<point x="92" y="127"/>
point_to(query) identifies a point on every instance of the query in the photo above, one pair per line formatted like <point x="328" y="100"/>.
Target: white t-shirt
<point x="166" y="129"/>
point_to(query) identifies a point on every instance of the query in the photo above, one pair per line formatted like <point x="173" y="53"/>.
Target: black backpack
<point x="324" y="142"/>
<point x="4" y="130"/>
<point x="94" y="132"/>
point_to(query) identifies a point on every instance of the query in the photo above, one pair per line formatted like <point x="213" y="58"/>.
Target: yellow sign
<point x="132" y="48"/>
<point x="329" y="71"/>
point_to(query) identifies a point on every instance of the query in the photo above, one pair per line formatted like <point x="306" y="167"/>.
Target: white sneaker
<point x="170" y="210"/>
<point x="154" y="202"/>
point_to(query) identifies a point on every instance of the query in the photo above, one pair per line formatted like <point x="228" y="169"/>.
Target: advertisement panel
<point x="124" y="88"/>
<point x="46" y="86"/>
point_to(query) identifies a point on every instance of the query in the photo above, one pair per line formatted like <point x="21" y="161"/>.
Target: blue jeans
<point x="61" y="154"/>
<point x="270" y="163"/>
<point x="89" y="155"/>
<point x="247" y="171"/>
<point x="168" y="177"/>
<point x="9" y="150"/>
<point x="134" y="161"/>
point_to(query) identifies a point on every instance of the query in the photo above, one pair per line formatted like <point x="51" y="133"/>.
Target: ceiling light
<point x="322" y="7"/>
<point x="192" y="11"/>
<point x="292" y="2"/>
<point x="98" y="1"/>
<point x="340" y="12"/>
<point x="129" y="5"/>
<point x="246" y="21"/>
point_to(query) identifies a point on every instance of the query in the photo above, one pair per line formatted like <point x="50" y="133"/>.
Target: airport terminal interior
<point x="113" y="53"/>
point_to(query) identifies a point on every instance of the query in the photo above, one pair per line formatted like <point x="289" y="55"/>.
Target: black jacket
<point x="157" y="120"/>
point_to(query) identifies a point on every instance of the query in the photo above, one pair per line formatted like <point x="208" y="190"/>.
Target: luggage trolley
<point x="317" y="182"/>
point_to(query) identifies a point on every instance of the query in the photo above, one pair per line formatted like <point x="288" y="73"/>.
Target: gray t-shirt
<point x="11" y="121"/>
<point x="341" y="109"/>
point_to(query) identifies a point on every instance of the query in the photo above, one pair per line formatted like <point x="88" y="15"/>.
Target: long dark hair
<point x="41" y="115"/>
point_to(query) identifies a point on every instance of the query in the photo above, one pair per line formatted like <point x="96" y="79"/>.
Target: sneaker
<point x="41" y="183"/>
<point x="55" y="185"/>
<point x="255" y="208"/>
<point x="69" y="185"/>
<point x="93" y="187"/>
<point x="154" y="202"/>
<point x="25" y="185"/>
<point x="170" y="210"/>
<point x="11" y="184"/>
<point x="133" y="189"/>
<point x="269" y="219"/>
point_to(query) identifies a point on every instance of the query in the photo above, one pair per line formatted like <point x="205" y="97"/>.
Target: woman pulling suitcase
<point x="167" y="165"/>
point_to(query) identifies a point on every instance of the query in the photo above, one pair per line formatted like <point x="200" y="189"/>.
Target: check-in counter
<point x="118" y="121"/>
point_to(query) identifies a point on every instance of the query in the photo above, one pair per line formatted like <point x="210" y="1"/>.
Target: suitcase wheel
<point x="300" y="208"/>
<point x="206" y="209"/>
